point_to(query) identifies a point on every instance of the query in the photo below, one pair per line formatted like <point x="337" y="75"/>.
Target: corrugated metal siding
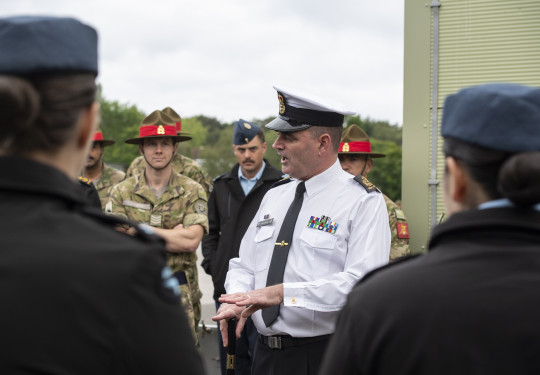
<point x="486" y="41"/>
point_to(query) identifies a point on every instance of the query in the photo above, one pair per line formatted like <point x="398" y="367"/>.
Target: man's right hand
<point x="226" y="312"/>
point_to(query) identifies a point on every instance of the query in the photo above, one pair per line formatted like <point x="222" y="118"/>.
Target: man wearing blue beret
<point x="468" y="304"/>
<point x="234" y="200"/>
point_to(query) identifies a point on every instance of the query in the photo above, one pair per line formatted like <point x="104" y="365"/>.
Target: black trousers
<point x="297" y="359"/>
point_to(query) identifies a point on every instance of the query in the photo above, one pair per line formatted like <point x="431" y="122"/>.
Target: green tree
<point x="385" y="139"/>
<point x="194" y="127"/>
<point x="386" y="172"/>
<point x="218" y="157"/>
<point x="120" y="122"/>
<point x="381" y="130"/>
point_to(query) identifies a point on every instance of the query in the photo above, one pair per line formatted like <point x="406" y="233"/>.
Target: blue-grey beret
<point x="39" y="44"/>
<point x="499" y="116"/>
<point x="244" y="132"/>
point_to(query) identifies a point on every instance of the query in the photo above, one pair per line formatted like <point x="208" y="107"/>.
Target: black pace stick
<point x="231" y="349"/>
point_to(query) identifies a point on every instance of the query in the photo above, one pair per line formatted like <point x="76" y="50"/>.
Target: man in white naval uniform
<point x="339" y="234"/>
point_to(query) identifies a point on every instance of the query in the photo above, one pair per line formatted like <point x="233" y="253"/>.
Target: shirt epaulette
<point x="84" y="180"/>
<point x="283" y="181"/>
<point x="386" y="266"/>
<point x="362" y="180"/>
<point x="219" y="177"/>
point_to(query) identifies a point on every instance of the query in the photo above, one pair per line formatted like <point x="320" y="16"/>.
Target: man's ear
<point x="456" y="180"/>
<point x="88" y="124"/>
<point x="325" y="142"/>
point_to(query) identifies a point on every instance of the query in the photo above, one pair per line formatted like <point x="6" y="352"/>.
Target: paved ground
<point x="208" y="339"/>
<point x="205" y="283"/>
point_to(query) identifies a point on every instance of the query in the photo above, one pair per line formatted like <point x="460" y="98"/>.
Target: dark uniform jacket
<point x="229" y="214"/>
<point x="79" y="297"/>
<point x="469" y="306"/>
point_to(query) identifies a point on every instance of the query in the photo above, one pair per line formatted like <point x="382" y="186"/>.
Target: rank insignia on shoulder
<point x="400" y="215"/>
<point x="362" y="180"/>
<point x="402" y="230"/>
<point x="281" y="182"/>
<point x="323" y="223"/>
<point x="84" y="179"/>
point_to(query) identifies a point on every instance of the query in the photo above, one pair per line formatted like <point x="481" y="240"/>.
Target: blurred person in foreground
<point x="78" y="297"/>
<point x="356" y="158"/>
<point x="467" y="306"/>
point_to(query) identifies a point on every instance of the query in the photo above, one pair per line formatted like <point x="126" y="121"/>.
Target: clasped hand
<point x="242" y="305"/>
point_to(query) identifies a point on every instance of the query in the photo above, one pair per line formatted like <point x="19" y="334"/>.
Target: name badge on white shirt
<point x="267" y="221"/>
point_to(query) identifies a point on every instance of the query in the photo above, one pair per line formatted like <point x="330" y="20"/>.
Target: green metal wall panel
<point x="486" y="41"/>
<point x="480" y="41"/>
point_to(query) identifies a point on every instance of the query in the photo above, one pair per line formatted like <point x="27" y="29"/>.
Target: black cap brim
<point x="280" y="124"/>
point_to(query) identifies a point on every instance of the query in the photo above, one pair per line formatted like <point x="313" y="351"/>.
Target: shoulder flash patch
<point x="283" y="181"/>
<point x="362" y="180"/>
<point x="386" y="266"/>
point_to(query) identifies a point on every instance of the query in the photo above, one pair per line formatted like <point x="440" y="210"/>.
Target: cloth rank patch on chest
<point x="323" y="223"/>
<point x="155" y="220"/>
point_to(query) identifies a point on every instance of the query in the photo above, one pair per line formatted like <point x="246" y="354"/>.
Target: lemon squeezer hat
<point x="176" y="118"/>
<point x="98" y="137"/>
<point x="355" y="141"/>
<point x="157" y="124"/>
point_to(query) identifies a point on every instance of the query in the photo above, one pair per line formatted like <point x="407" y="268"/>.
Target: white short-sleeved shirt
<point x="325" y="260"/>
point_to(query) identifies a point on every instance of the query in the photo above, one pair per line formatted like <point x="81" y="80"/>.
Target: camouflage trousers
<point x="192" y="277"/>
<point x="185" y="297"/>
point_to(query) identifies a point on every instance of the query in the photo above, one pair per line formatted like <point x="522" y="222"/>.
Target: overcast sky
<point x="221" y="58"/>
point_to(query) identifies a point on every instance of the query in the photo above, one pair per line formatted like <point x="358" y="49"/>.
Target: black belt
<point x="181" y="277"/>
<point x="286" y="341"/>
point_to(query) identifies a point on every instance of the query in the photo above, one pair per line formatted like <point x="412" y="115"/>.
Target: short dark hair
<point x="39" y="112"/>
<point x="260" y="134"/>
<point x="500" y="174"/>
<point x="334" y="133"/>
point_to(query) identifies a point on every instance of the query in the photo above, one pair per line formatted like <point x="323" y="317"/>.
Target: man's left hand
<point x="256" y="299"/>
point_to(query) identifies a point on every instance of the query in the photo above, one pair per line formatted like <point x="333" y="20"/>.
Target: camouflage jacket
<point x="184" y="202"/>
<point x="399" y="228"/>
<point x="181" y="164"/>
<point x="109" y="177"/>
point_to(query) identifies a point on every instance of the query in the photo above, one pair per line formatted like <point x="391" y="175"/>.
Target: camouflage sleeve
<point x="136" y="167"/>
<point x="198" y="174"/>
<point x="115" y="206"/>
<point x="399" y="246"/>
<point x="197" y="210"/>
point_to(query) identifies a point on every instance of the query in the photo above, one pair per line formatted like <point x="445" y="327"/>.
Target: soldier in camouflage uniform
<point x="181" y="164"/>
<point x="174" y="205"/>
<point x="103" y="176"/>
<point x="185" y="166"/>
<point x="356" y="158"/>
